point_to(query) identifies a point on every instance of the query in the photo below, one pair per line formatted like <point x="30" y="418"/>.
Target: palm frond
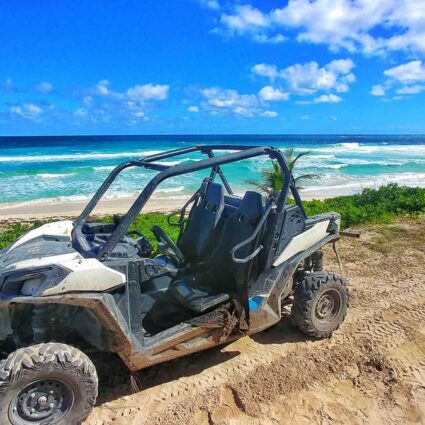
<point x="262" y="187"/>
<point x="273" y="179"/>
<point x="300" y="155"/>
<point x="309" y="176"/>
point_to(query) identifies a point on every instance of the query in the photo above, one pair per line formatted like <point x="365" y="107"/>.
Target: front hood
<point x="50" y="240"/>
<point x="43" y="262"/>
<point x="59" y="229"/>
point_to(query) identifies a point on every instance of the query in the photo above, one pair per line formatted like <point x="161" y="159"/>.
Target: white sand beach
<point x="43" y="209"/>
<point x="50" y="208"/>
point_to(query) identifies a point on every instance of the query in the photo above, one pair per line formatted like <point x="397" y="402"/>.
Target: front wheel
<point x="320" y="303"/>
<point x="47" y="384"/>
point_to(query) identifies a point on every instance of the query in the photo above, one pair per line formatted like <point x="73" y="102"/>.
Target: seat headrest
<point x="252" y="207"/>
<point x="214" y="197"/>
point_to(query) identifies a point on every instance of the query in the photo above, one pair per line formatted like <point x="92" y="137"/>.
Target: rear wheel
<point x="47" y="384"/>
<point x="320" y="303"/>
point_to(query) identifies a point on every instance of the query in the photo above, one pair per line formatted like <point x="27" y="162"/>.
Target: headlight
<point x="31" y="282"/>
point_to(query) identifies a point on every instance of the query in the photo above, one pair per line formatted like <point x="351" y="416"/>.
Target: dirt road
<point x="372" y="370"/>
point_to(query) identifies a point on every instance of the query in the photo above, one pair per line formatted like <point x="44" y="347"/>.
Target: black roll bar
<point x="166" y="172"/>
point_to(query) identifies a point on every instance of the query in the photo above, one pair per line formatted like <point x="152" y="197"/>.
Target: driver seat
<point x="223" y="276"/>
<point x="196" y="240"/>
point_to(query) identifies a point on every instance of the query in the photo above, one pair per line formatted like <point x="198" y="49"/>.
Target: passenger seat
<point x="223" y="278"/>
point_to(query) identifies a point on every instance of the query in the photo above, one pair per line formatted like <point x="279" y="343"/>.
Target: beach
<point x="56" y="176"/>
<point x="370" y="371"/>
<point x="46" y="210"/>
<point x="40" y="209"/>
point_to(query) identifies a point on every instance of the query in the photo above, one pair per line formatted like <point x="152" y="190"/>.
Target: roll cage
<point x="168" y="171"/>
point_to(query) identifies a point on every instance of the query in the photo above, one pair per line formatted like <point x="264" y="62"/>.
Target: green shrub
<point x="144" y="222"/>
<point x="14" y="231"/>
<point x="371" y="205"/>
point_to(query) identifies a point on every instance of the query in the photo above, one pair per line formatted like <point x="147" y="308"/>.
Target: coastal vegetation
<point x="272" y="177"/>
<point x="371" y="205"/>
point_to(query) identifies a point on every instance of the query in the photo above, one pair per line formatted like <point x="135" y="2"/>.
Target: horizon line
<point x="203" y="135"/>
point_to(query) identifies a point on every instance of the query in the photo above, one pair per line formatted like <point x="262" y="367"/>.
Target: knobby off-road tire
<point x="47" y="384"/>
<point x="320" y="303"/>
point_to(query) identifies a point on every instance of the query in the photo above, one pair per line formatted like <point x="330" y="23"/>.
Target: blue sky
<point x="212" y="66"/>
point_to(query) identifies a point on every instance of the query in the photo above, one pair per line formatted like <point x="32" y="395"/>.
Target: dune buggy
<point x="69" y="288"/>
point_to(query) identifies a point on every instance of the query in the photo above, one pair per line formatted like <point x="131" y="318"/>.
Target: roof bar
<point x="169" y="154"/>
<point x="217" y="170"/>
<point x="151" y="165"/>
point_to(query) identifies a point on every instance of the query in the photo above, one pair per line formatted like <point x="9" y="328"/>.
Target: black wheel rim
<point x="43" y="401"/>
<point x="328" y="306"/>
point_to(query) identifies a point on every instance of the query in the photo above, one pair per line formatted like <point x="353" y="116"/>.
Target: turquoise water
<point x="72" y="168"/>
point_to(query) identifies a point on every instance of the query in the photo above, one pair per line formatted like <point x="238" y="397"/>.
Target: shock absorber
<point x="317" y="261"/>
<point x="40" y="317"/>
<point x="314" y="263"/>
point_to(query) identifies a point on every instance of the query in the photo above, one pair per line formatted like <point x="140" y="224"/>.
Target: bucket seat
<point x="223" y="278"/>
<point x="196" y="241"/>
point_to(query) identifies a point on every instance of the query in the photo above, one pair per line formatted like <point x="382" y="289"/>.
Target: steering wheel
<point x="170" y="247"/>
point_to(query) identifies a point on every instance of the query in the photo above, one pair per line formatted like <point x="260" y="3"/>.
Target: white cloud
<point x="264" y="38"/>
<point x="210" y="4"/>
<point x="272" y="94"/>
<point x="27" y="110"/>
<point x="417" y="88"/>
<point x="369" y="26"/>
<point x="305" y="117"/>
<point x="222" y="101"/>
<point x="105" y="104"/>
<point x="248" y="20"/>
<point x="411" y="72"/>
<point x="265" y="70"/>
<point x="405" y="79"/>
<point x="139" y="114"/>
<point x="340" y="66"/>
<point x="148" y="92"/>
<point x="378" y="90"/>
<point x="327" y="98"/>
<point x="102" y="88"/>
<point x="44" y="87"/>
<point x="338" y="23"/>
<point x="138" y="92"/>
<point x="88" y="100"/>
<point x="193" y="109"/>
<point x="307" y="79"/>
<point x="269" y="114"/>
<point x="227" y="98"/>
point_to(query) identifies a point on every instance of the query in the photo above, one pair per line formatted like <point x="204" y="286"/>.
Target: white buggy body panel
<point x="303" y="241"/>
<point x="80" y="274"/>
<point x="59" y="228"/>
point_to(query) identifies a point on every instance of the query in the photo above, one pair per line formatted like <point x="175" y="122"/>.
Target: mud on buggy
<point x="69" y="288"/>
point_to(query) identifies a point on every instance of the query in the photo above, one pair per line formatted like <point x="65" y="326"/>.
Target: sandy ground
<point x="371" y="371"/>
<point x="42" y="209"/>
<point x="51" y="209"/>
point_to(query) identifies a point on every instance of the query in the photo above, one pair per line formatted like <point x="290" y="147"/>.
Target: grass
<point x="370" y="206"/>
<point x="12" y="232"/>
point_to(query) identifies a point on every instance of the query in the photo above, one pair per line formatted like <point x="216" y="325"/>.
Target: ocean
<point x="52" y="169"/>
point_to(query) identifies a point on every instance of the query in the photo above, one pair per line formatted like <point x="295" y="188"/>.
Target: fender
<point x="272" y="285"/>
